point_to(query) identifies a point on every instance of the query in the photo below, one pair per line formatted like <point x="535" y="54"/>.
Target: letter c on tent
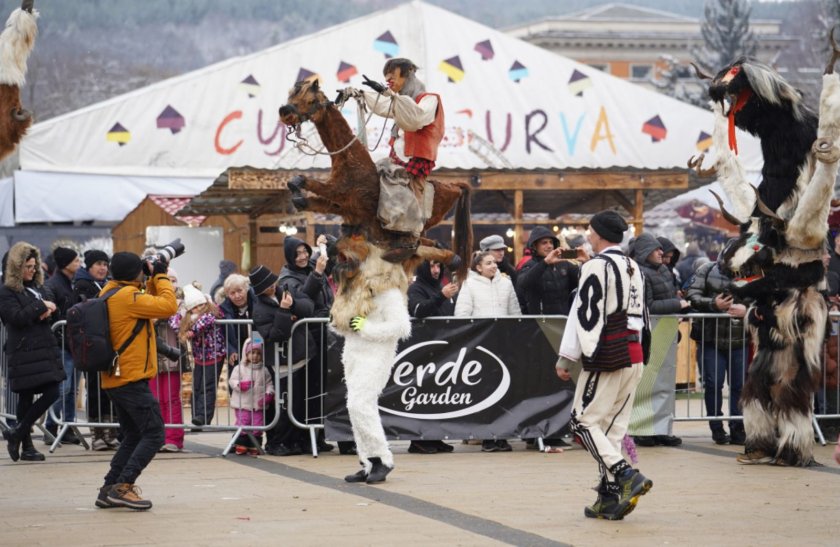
<point x="235" y="115"/>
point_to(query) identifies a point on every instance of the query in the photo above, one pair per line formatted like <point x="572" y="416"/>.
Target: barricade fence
<point x="710" y="353"/>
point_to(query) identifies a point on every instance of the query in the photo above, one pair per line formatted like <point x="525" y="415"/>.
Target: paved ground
<point x="700" y="496"/>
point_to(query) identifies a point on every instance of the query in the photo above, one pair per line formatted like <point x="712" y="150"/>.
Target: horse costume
<point x="778" y="255"/>
<point x="16" y="42"/>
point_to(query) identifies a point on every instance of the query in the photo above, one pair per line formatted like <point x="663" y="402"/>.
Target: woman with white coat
<point x="486" y="291"/>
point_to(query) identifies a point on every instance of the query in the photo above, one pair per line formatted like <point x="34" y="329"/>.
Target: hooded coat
<point x="483" y="297"/>
<point x="425" y="298"/>
<point x="298" y="281"/>
<point x="33" y="354"/>
<point x="546" y="289"/>
<point x="669" y="247"/>
<point x="85" y="286"/>
<point x="708" y="282"/>
<point x="660" y="292"/>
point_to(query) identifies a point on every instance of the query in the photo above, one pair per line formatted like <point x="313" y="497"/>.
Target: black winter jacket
<point x="298" y="283"/>
<point x="237" y="334"/>
<point x="707" y="283"/>
<point x="425" y="298"/>
<point x="85" y="286"/>
<point x="34" y="358"/>
<point x="275" y="325"/>
<point x="660" y="292"/>
<point x="544" y="289"/>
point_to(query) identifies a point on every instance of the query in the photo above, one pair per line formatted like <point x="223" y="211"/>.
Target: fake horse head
<point x="306" y="102"/>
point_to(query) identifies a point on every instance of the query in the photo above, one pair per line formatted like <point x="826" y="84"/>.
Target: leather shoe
<point x="13" y="438"/>
<point x="667" y="440"/>
<point x="443" y="447"/>
<point x="358" y="476"/>
<point x="720" y="436"/>
<point x="645" y="441"/>
<point x="378" y="472"/>
<point x="422" y="447"/>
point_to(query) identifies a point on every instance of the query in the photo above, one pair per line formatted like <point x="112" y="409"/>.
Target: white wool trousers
<point x="601" y="412"/>
<point x="367" y="367"/>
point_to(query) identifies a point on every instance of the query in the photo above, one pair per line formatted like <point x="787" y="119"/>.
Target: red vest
<point x="424" y="142"/>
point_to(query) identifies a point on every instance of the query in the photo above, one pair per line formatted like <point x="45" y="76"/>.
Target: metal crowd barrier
<point x="100" y="413"/>
<point x="693" y="357"/>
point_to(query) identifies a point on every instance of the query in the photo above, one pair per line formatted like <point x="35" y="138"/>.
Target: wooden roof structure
<point x="565" y="197"/>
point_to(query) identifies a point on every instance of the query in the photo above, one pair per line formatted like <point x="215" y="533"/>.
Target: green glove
<point x="357" y="323"/>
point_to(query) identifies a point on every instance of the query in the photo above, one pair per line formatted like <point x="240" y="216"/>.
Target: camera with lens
<point x="164" y="255"/>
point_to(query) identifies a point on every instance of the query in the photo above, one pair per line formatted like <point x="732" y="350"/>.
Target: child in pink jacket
<point x="253" y="391"/>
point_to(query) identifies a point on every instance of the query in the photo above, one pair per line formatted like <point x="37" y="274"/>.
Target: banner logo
<point x="466" y="382"/>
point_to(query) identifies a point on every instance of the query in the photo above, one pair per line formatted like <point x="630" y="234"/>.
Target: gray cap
<point x="492" y="243"/>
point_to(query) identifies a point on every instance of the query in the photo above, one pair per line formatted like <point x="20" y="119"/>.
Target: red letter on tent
<point x="235" y="115"/>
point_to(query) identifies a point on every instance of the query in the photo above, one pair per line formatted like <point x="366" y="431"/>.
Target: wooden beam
<point x="624" y="202"/>
<point x="518" y="231"/>
<point x="577" y="180"/>
<point x="639" y="212"/>
<point x="253" y="233"/>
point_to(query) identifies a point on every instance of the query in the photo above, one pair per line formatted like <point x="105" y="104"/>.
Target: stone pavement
<point x="700" y="496"/>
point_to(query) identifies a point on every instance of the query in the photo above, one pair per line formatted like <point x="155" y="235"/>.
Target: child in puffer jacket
<point x="205" y="342"/>
<point x="253" y="390"/>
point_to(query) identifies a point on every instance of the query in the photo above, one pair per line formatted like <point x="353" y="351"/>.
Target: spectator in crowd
<point x="426" y="298"/>
<point x="685" y="266"/>
<point x="48" y="266"/>
<point x="166" y="385"/>
<point x="661" y="299"/>
<point x="306" y="279"/>
<point x="497" y="247"/>
<point x="273" y="319"/>
<point x="226" y="268"/>
<point x="670" y="257"/>
<point x="722" y="351"/>
<point x="32" y="352"/>
<point x="138" y="412"/>
<point x="88" y="283"/>
<point x="487" y="293"/>
<point x="253" y="390"/>
<point x="547" y="281"/>
<point x="238" y="304"/>
<point x="834" y="261"/>
<point x="198" y="330"/>
<point x="59" y="289"/>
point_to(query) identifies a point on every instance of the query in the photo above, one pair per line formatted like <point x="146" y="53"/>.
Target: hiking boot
<point x="644" y="441"/>
<point x="667" y="440"/>
<point x="378" y="472"/>
<point x="754" y="457"/>
<point x="606" y="507"/>
<point x="503" y="446"/>
<point x="631" y="484"/>
<point x="128" y="495"/>
<point x="422" y="447"/>
<point x="738" y="437"/>
<point x="102" y="499"/>
<point x="347" y="448"/>
<point x="489" y="445"/>
<point x="720" y="436"/>
<point x="28" y="452"/>
<point x="70" y="437"/>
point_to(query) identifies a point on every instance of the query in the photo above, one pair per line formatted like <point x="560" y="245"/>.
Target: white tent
<point x="508" y="104"/>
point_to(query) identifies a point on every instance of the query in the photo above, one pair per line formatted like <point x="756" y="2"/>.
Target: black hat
<point x="126" y="266"/>
<point x="64" y="256"/>
<point x="93" y="256"/>
<point x="261" y="279"/>
<point x="609" y="225"/>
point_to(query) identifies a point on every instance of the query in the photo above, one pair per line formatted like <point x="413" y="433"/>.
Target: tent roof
<point x="509" y="104"/>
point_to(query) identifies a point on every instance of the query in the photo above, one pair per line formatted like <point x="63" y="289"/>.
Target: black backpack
<point x="88" y="331"/>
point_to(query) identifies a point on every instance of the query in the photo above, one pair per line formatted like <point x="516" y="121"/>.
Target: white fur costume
<point x="16" y="42"/>
<point x="377" y="293"/>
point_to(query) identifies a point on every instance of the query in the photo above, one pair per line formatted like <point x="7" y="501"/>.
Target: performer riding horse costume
<point x="778" y="255"/>
<point x="16" y="42"/>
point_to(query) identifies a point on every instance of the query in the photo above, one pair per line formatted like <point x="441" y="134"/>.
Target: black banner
<point x="465" y="378"/>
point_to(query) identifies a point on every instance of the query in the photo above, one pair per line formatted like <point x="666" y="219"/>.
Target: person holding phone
<point x="722" y="351"/>
<point x="547" y="282"/>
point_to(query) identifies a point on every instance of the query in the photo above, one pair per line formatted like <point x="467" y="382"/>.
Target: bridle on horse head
<point x="301" y="142"/>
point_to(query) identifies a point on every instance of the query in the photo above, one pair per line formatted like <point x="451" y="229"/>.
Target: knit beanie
<point x="261" y="279"/>
<point x="250" y="346"/>
<point x="93" y="256"/>
<point x="193" y="297"/>
<point x="64" y="256"/>
<point x="609" y="225"/>
<point x="126" y="266"/>
<point x="226" y="267"/>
